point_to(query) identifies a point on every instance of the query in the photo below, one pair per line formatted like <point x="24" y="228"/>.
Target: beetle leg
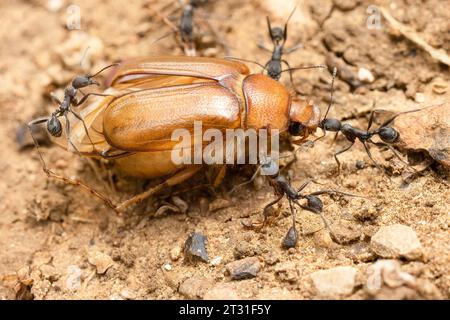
<point x="220" y="176"/>
<point x="177" y="178"/>
<point x="85" y="127"/>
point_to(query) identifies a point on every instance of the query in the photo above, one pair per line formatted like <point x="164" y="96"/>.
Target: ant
<point x="283" y="188"/>
<point x="185" y="27"/>
<point x="278" y="37"/>
<point x="385" y="132"/>
<point x="54" y="126"/>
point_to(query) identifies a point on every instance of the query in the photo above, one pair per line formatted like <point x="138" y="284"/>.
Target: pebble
<point x="128" y="294"/>
<point x="323" y="239"/>
<point x="243" y="269"/>
<point x="73" y="279"/>
<point x="167" y="266"/>
<point x="195" y="287"/>
<point x="365" y="75"/>
<point x="335" y="281"/>
<point x="386" y="272"/>
<point x="216" y="261"/>
<point x="396" y="241"/>
<point x="100" y="260"/>
<point x="221" y="292"/>
<point x="287" y="271"/>
<point x="345" y="232"/>
<point x="195" y="248"/>
<point x="175" y="253"/>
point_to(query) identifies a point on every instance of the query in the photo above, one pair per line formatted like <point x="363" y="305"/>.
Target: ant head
<point x="388" y="134"/>
<point x="54" y="126"/>
<point x="333" y="125"/>
<point x="314" y="203"/>
<point x="83" y="81"/>
<point x="277" y="35"/>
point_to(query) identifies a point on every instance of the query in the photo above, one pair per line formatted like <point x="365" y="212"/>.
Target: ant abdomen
<point x="388" y="134"/>
<point x="54" y="126"/>
<point x="314" y="203"/>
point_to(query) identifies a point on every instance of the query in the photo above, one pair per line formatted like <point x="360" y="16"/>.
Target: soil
<point x="58" y="242"/>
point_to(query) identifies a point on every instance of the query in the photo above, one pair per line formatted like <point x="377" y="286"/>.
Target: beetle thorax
<point x="267" y="103"/>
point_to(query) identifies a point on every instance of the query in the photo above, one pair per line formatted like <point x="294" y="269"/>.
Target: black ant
<point x="54" y="126"/>
<point x="278" y="36"/>
<point x="385" y="132"/>
<point x="185" y="27"/>
<point x="282" y="188"/>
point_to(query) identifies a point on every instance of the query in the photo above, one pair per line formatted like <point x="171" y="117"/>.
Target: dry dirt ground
<point x="57" y="241"/>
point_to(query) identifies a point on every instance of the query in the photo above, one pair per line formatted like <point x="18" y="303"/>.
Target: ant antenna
<point x="319" y="66"/>
<point x="245" y="60"/>
<point x="331" y="92"/>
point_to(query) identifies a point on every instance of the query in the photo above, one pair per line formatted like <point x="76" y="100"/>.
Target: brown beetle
<point x="150" y="97"/>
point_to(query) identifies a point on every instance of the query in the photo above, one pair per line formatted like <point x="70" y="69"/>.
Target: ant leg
<point x="86" y="95"/>
<point x="261" y="46"/>
<point x="294" y="48"/>
<point x="246" y="182"/>
<point x="177" y="178"/>
<point x="85" y="128"/>
<point x="396" y="154"/>
<point x="338" y="153"/>
<point x="291" y="237"/>
<point x="68" y="135"/>
<point x="370" y="156"/>
<point x="52" y="174"/>
<point x="291" y="78"/>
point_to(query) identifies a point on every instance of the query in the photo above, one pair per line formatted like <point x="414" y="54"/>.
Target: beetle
<point x="149" y="97"/>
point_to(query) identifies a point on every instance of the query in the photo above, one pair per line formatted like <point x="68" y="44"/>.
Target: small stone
<point x="396" y="241"/>
<point x="335" y="281"/>
<point x="195" y="248"/>
<point x="204" y="205"/>
<point x="221" y="292"/>
<point x="345" y="232"/>
<point x="271" y="258"/>
<point x="216" y="261"/>
<point x="167" y="266"/>
<point x="54" y="5"/>
<point x="195" y="287"/>
<point x="243" y="249"/>
<point x="386" y="272"/>
<point x="323" y="239"/>
<point x="419" y="97"/>
<point x="360" y="164"/>
<point x="365" y="75"/>
<point x="175" y="253"/>
<point x="128" y="294"/>
<point x="243" y="269"/>
<point x="287" y="271"/>
<point x="100" y="260"/>
<point x="73" y="279"/>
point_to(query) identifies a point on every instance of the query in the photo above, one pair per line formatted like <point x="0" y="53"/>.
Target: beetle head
<point x="304" y="119"/>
